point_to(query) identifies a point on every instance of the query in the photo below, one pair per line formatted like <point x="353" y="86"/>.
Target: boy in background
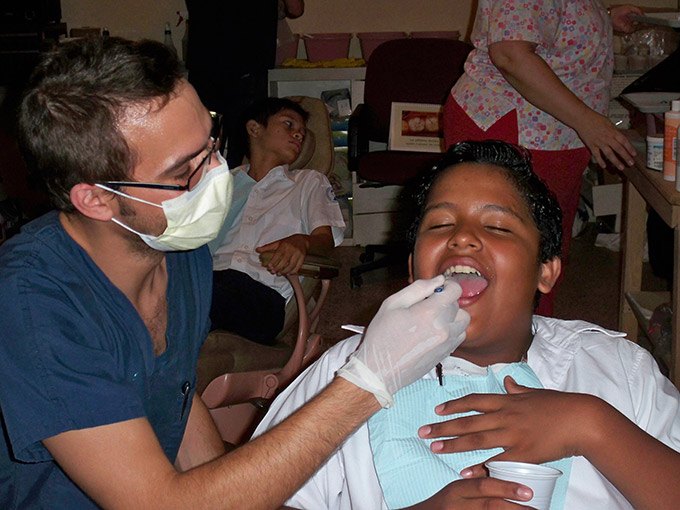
<point x="276" y="210"/>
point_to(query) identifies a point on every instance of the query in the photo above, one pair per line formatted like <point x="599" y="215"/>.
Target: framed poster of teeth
<point x="416" y="127"/>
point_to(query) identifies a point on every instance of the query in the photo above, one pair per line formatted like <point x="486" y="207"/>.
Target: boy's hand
<point x="288" y="254"/>
<point x="477" y="493"/>
<point x="531" y="425"/>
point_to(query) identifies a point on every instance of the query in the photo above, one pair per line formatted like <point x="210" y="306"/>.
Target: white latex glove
<point x="414" y="329"/>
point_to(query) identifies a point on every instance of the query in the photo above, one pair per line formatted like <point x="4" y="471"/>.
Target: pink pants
<point x="560" y="170"/>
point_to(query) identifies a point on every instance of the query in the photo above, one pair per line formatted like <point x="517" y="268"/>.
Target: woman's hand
<point x="605" y="141"/>
<point x="621" y="16"/>
<point x="531" y="425"/>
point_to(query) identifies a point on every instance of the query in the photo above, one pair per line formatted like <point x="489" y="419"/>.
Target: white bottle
<point x="170" y="44"/>
<point x="671" y="123"/>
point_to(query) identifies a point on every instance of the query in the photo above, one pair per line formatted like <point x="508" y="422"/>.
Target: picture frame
<point x="416" y="127"/>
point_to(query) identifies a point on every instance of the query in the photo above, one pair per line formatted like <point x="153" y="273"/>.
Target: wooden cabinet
<point x="646" y="188"/>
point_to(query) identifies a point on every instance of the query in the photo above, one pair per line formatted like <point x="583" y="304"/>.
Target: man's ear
<point x="550" y="271"/>
<point x="253" y="128"/>
<point x="410" y="267"/>
<point x="92" y="201"/>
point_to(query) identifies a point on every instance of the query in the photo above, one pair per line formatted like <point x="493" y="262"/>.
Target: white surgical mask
<point x="195" y="217"/>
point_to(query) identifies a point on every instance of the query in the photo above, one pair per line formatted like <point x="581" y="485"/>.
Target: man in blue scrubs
<point x="104" y="305"/>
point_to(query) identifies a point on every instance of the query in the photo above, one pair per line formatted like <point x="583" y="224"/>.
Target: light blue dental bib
<point x="407" y="470"/>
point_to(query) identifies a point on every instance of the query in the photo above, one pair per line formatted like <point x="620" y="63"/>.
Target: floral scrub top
<point x="574" y="37"/>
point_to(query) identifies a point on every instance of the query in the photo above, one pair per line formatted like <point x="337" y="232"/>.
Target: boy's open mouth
<point x="471" y="281"/>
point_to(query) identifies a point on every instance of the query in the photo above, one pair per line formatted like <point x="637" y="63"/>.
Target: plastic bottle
<point x="182" y="18"/>
<point x="170" y="44"/>
<point x="655" y="152"/>
<point x="671" y="123"/>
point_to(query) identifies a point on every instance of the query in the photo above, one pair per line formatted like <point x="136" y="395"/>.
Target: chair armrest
<point x="320" y="267"/>
<point x="238" y="387"/>
<point x="314" y="266"/>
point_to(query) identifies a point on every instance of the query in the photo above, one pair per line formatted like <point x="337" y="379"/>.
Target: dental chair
<point x="237" y="378"/>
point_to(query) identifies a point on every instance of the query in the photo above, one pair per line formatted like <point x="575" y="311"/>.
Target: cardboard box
<point x="607" y="201"/>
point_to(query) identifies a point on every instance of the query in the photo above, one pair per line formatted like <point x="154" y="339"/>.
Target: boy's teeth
<point x="458" y="269"/>
<point x="471" y="282"/>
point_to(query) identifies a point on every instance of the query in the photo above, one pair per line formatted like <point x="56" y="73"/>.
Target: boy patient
<point x="276" y="210"/>
<point x="520" y="387"/>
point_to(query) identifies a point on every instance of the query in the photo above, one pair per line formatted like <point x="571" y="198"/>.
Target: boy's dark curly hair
<point x="515" y="162"/>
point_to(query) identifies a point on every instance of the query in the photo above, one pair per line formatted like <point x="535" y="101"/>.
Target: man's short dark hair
<point x="69" y="115"/>
<point x="515" y="162"/>
<point x="262" y="111"/>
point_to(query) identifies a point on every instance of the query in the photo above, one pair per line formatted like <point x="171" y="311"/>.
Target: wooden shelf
<point x="643" y="303"/>
<point x="311" y="81"/>
<point x="643" y="189"/>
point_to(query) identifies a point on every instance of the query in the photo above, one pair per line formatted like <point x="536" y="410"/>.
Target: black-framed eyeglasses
<point x="215" y="134"/>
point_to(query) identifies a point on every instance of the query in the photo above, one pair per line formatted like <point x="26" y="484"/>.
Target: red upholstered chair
<point x="402" y="70"/>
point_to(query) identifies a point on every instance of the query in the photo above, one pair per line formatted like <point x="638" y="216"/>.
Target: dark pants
<point x="246" y="307"/>
<point x="231" y="47"/>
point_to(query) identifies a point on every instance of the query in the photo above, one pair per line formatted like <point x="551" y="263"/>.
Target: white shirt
<point x="571" y="356"/>
<point x="284" y="203"/>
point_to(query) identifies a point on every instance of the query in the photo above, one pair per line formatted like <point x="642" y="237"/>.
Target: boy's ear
<point x="550" y="271"/>
<point x="253" y="128"/>
<point x="410" y="267"/>
<point x="92" y="201"/>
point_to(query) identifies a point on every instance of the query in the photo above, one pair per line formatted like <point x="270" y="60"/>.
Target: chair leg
<point x="392" y="255"/>
<point x="355" y="279"/>
<point x="368" y="255"/>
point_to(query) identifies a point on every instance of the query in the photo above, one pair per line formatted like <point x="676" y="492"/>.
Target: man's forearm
<point x="122" y="465"/>
<point x="268" y="470"/>
<point x="201" y="442"/>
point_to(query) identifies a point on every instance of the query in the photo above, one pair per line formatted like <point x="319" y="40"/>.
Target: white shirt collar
<point x="274" y="173"/>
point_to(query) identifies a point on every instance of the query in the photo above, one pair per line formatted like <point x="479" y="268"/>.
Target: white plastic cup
<point x="540" y="479"/>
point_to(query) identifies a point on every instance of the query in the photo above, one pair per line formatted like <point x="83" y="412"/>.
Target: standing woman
<point x="539" y="76"/>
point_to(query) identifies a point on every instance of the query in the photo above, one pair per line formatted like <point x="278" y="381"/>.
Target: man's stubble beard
<point x="129" y="216"/>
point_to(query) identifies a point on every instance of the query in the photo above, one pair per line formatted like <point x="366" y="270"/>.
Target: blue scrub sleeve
<point x="61" y="363"/>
